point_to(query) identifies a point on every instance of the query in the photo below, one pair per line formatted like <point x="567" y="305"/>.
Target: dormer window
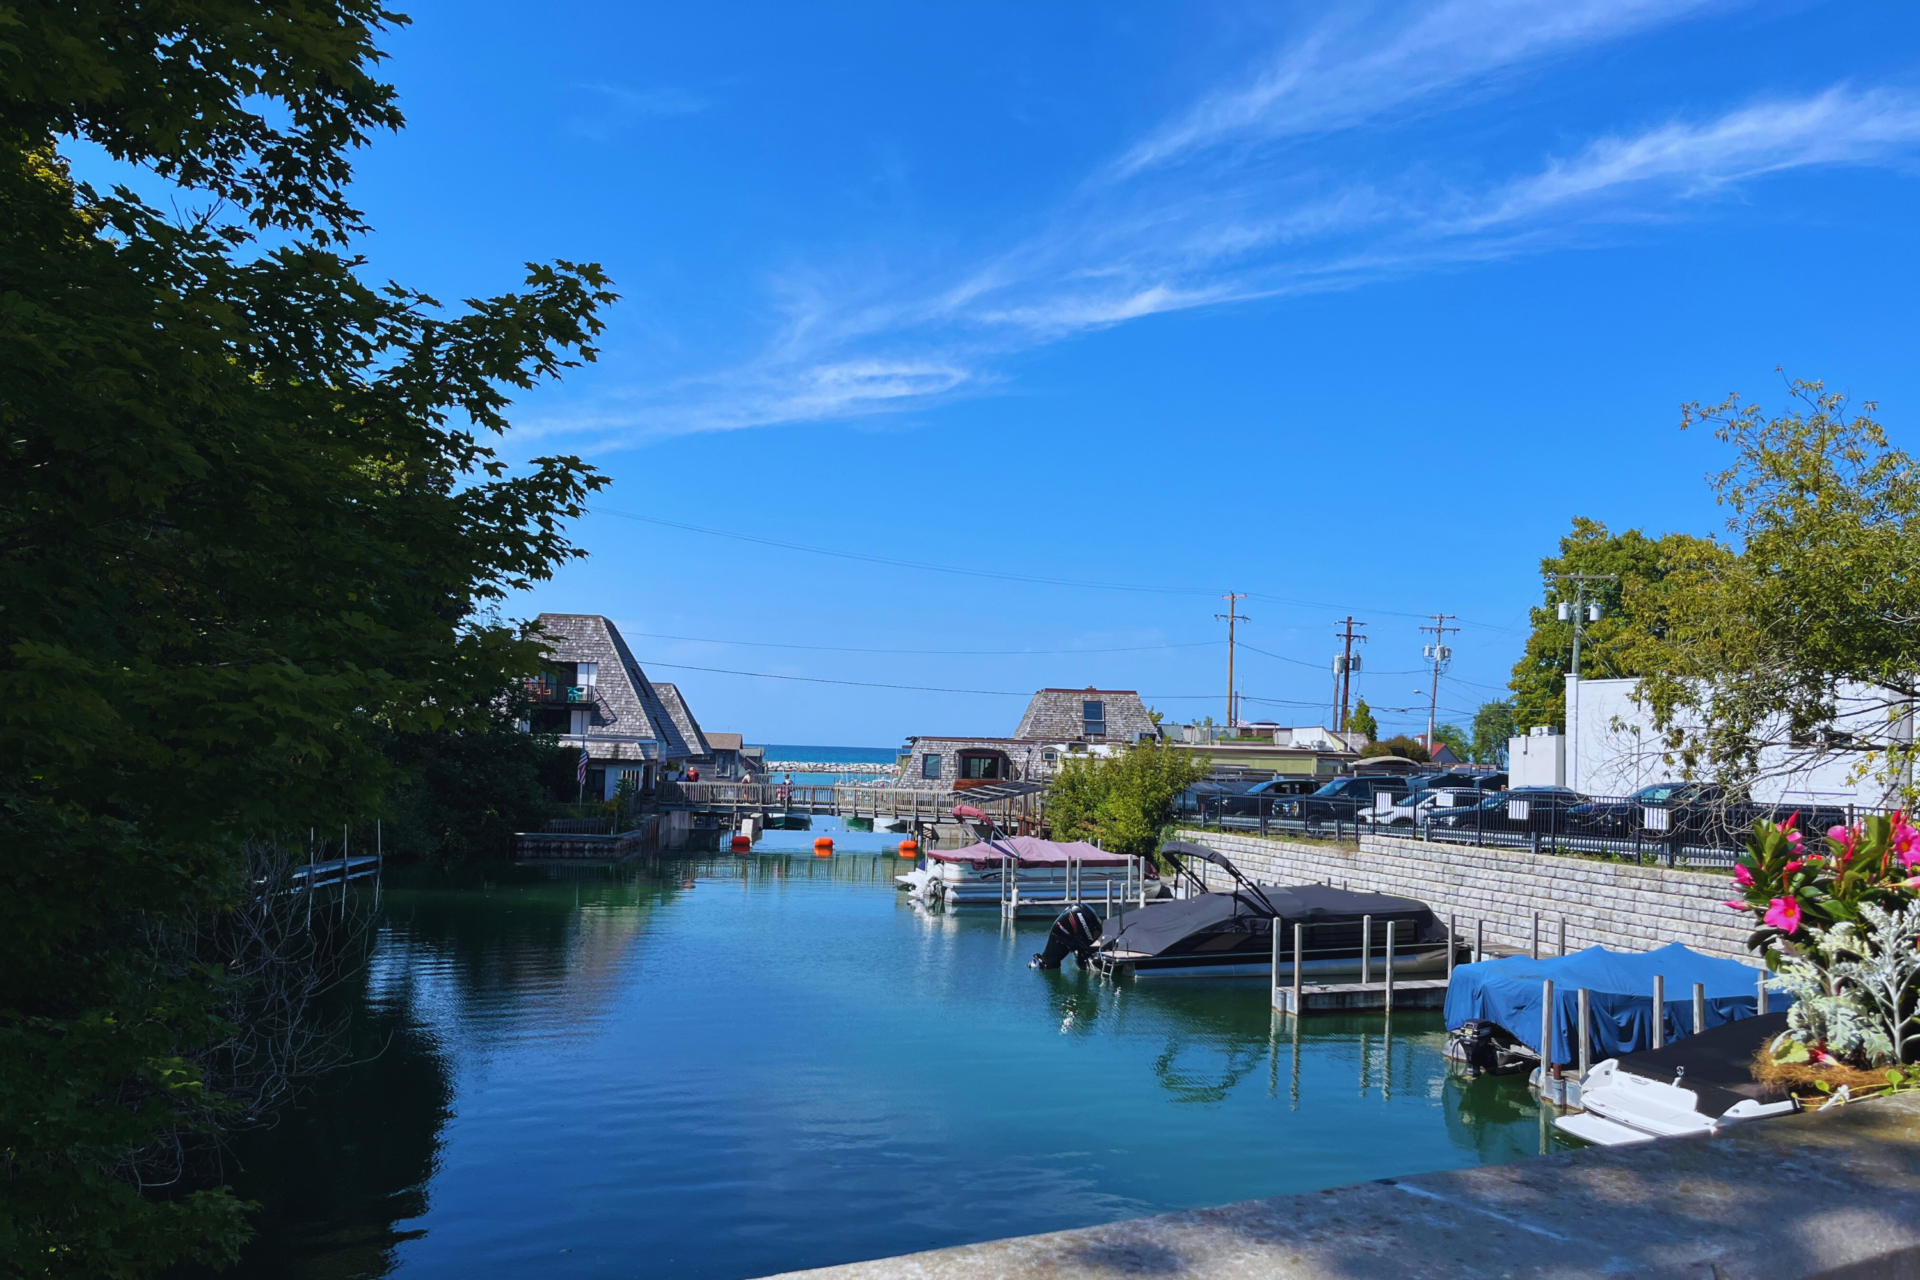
<point x="1095" y="716"/>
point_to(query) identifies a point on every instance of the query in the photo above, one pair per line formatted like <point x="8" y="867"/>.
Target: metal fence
<point x="1553" y="822"/>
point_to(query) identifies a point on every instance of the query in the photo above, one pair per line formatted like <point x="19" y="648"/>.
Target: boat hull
<point x="1411" y="964"/>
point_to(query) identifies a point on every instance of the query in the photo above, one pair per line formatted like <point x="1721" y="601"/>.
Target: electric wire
<point x="994" y="574"/>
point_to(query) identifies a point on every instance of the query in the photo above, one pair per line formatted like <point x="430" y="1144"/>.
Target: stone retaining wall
<point x="1618" y="905"/>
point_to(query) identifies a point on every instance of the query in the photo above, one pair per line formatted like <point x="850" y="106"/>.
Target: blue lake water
<point x="732" y="1067"/>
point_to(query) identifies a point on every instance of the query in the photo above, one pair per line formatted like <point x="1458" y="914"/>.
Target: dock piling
<point x="1760" y="1002"/>
<point x="1563" y="935"/>
<point x="1298" y="931"/>
<point x="1366" y="949"/>
<point x="1699" y="1007"/>
<point x="1546" y="1034"/>
<point x="1586" y="1035"/>
<point x="1479" y="940"/>
<point x="1453" y="935"/>
<point x="1659" y="1011"/>
<point x="1389" y="999"/>
<point x="1274" y="981"/>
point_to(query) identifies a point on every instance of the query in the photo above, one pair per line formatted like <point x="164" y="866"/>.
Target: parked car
<point x="1420" y="806"/>
<point x="1694" y="812"/>
<point x="1521" y="809"/>
<point x="1688" y="803"/>
<point x="1342" y="800"/>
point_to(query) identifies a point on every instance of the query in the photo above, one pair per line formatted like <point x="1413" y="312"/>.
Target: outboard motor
<point x="1473" y="1044"/>
<point x="1075" y="932"/>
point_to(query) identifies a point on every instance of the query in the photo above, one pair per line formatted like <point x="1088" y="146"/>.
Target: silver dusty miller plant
<point x="1854" y="988"/>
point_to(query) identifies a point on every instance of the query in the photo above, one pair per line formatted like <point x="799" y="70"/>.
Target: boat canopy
<point x="1032" y="851"/>
<point x="1619" y="996"/>
<point x="1159" y="925"/>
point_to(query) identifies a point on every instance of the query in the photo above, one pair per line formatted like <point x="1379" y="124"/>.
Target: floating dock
<point x="1361" y="997"/>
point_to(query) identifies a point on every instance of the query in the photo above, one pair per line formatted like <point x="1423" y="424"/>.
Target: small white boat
<point x="1622" y="1108"/>
<point x="1699" y="1084"/>
<point x="1040" y="871"/>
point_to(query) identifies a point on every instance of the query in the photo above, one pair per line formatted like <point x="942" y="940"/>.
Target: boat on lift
<point x="990" y="873"/>
<point x="1230" y="933"/>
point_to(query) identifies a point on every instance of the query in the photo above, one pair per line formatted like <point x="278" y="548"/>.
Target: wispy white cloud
<point x="610" y="109"/>
<point x="1835" y="127"/>
<point x="1153" y="235"/>
<point x="1348" y="71"/>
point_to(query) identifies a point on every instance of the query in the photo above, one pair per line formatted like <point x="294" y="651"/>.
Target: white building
<point x="1611" y="748"/>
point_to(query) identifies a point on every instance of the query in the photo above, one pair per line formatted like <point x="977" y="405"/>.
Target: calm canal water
<point x="720" y="1069"/>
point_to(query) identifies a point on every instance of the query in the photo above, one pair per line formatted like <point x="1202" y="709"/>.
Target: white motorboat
<point x="1656" y="1094"/>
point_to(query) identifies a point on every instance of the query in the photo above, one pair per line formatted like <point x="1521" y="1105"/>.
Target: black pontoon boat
<point x="1230" y="933"/>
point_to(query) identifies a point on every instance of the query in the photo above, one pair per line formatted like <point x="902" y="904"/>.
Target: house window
<point x="1049" y="757"/>
<point x="586" y="673"/>
<point x="930" y="766"/>
<point x="980" y="765"/>
<point x="1095" y="714"/>
<point x="1143" y="737"/>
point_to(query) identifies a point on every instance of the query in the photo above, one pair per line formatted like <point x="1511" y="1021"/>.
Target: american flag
<point x="581" y="772"/>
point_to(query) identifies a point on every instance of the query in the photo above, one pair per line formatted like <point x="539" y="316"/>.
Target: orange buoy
<point x="909" y="848"/>
<point x="822" y="846"/>
<point x="741" y="844"/>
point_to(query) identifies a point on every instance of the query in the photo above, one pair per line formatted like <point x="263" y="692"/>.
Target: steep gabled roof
<point x="625" y="702"/>
<point x="682" y="716"/>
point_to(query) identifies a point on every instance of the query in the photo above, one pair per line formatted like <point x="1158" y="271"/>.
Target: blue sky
<point x="1352" y="313"/>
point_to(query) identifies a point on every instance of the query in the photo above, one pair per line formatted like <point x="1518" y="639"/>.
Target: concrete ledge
<point x="1831" y="1195"/>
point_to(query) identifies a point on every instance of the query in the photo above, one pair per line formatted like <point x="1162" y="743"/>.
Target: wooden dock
<point x="1361" y="997"/>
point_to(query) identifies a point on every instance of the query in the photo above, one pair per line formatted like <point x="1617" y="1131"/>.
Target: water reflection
<point x="704" y="1063"/>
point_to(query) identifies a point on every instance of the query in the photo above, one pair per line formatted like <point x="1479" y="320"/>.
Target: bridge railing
<point x="756" y="796"/>
<point x="848" y="800"/>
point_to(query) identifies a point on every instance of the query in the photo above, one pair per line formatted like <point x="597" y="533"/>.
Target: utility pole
<point x="1582" y="612"/>
<point x="1439" y="654"/>
<point x="1343" y="668"/>
<point x="1230" y="617"/>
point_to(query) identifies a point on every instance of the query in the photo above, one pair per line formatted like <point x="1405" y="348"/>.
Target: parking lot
<point x="1669" y="824"/>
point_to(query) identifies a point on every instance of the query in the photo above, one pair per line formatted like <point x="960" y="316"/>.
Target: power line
<point x="986" y="573"/>
<point x="902" y="564"/>
<point x="956" y="653"/>
<point x="869" y="684"/>
<point x="863" y="684"/>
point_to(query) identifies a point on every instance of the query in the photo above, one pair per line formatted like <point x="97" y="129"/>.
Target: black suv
<point x="1342" y="800"/>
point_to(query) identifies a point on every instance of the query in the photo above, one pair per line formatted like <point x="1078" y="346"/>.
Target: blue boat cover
<point x="1619" y="996"/>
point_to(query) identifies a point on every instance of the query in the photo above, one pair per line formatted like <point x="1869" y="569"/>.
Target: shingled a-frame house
<point x="593" y="694"/>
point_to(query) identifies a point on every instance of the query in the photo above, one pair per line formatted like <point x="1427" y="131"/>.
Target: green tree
<point x="1362" y="720"/>
<point x="1125" y="801"/>
<point x="1809" y="636"/>
<point x="1493" y="725"/>
<point x="250" y="529"/>
<point x="1456" y="738"/>
<point x="1607" y="646"/>
<point x="1398" y="745"/>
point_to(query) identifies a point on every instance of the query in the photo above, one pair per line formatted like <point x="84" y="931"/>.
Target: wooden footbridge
<point x="1009" y="804"/>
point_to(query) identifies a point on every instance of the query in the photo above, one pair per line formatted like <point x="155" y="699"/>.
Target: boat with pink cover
<point x="1044" y="871"/>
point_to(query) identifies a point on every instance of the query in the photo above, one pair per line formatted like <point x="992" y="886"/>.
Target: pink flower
<point x="1742" y="876"/>
<point x="1906" y="840"/>
<point x="1793" y="866"/>
<point x="1794" y="838"/>
<point x="1784" y="914"/>
<point x="1737" y="906"/>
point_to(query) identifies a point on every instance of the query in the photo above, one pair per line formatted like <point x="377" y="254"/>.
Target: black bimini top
<point x="1154" y="928"/>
